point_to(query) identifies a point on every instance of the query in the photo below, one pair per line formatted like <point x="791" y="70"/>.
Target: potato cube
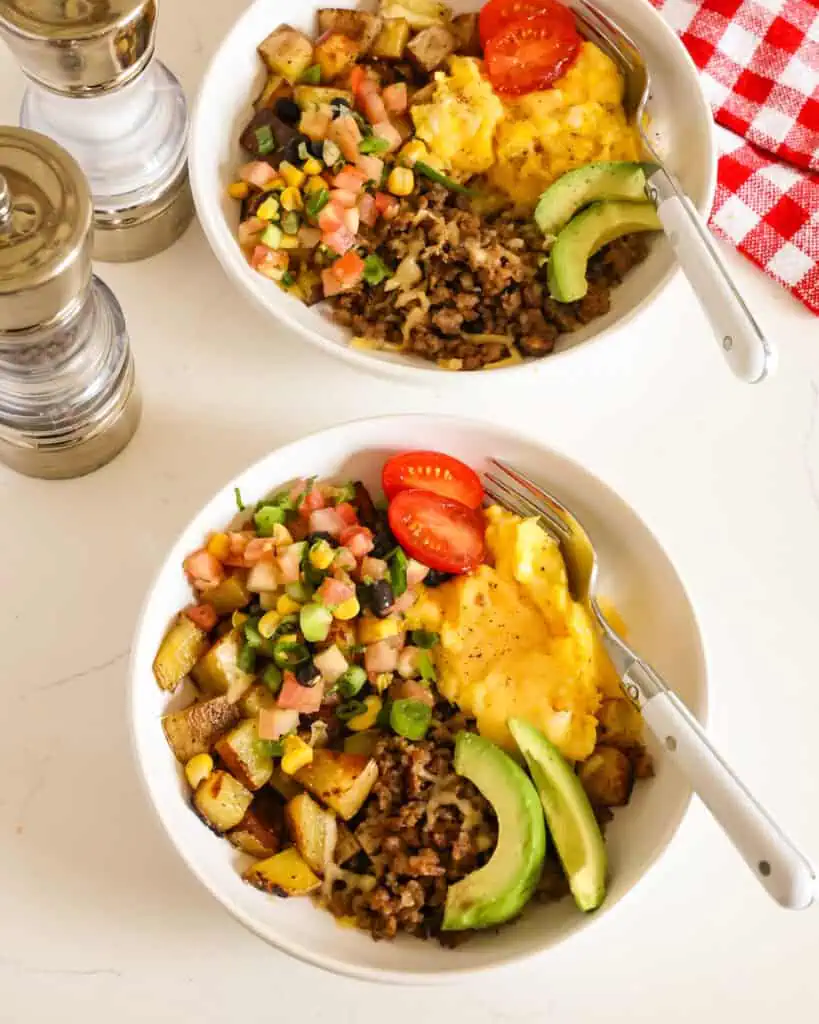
<point x="285" y="785"/>
<point x="607" y="776"/>
<point x="430" y="48"/>
<point x="221" y="801"/>
<point x="312" y="829"/>
<point x="261" y="830"/>
<point x="341" y="781"/>
<point x="336" y="54"/>
<point x="287" y="52"/>
<point x="244" y="756"/>
<point x="274" y="88"/>
<point x="255" y="699"/>
<point x="464" y="28"/>
<point x="284" y="874"/>
<point x="362" y="26"/>
<point x="218" y="671"/>
<point x="419" y="13"/>
<point x="621" y="724"/>
<point x="308" y="96"/>
<point x="392" y="40"/>
<point x="196" y="728"/>
<point x="228" y="596"/>
<point x="183" y="645"/>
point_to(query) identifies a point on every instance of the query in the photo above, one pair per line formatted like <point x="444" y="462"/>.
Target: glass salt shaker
<point x="68" y="400"/>
<point x="96" y="88"/>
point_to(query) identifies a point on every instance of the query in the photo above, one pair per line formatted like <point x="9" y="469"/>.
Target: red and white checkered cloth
<point x="759" y="63"/>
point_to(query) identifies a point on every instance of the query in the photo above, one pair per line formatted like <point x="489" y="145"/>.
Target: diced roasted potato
<point x="284" y="874"/>
<point x="256" y="698"/>
<point x="275" y="88"/>
<point x="218" y="671"/>
<point x="195" y="729"/>
<point x="335" y="54"/>
<point x="621" y="724"/>
<point x="287" y="52"/>
<point x="464" y="28"/>
<point x="419" y="13"/>
<point x="347" y="845"/>
<point x="228" y="596"/>
<point x="261" y="830"/>
<point x="244" y="756"/>
<point x="642" y="763"/>
<point x="392" y="40"/>
<point x="362" y="742"/>
<point x="362" y="26"/>
<point x="430" y="48"/>
<point x="314" y="95"/>
<point x="285" y="785"/>
<point x="183" y="646"/>
<point x="607" y="777"/>
<point x="312" y="829"/>
<point x="221" y="801"/>
<point x="341" y="781"/>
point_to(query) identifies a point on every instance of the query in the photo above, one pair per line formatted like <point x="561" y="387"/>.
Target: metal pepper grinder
<point x="97" y="89"/>
<point x="68" y="399"/>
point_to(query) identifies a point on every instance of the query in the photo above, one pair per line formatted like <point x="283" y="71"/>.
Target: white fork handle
<point x="776" y="863"/>
<point x="741" y="341"/>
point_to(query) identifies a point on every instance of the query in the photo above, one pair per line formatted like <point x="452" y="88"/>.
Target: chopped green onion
<point x="246" y="658"/>
<point x="410" y="718"/>
<point x="375" y="270"/>
<point x="289" y="624"/>
<point x="382" y="720"/>
<point x="344" y="712"/>
<point x="398" y="572"/>
<point x="312" y="76"/>
<point x="279" y="500"/>
<point x="315" y="621"/>
<point x="265" y="139"/>
<point x="298" y="591"/>
<point x="252" y="634"/>
<point x="347" y="491"/>
<point x="270" y="748"/>
<point x="312" y="576"/>
<point x="288" y="279"/>
<point x="272" y="678"/>
<point x="330" y="153"/>
<point x="266" y="518"/>
<point x="272" y="236"/>
<point x="288" y="653"/>
<point x="424" y="638"/>
<point x="290" y="222"/>
<point x="373" y="144"/>
<point x="426" y="668"/>
<point x="442" y="179"/>
<point x="351" y="681"/>
<point x="303" y="151"/>
<point x="237" y="494"/>
<point x="316" y="202"/>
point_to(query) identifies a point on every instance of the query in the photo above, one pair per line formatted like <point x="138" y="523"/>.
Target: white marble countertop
<point x="100" y="921"/>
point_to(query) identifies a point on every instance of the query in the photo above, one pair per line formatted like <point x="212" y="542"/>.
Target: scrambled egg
<point x="526" y="143"/>
<point x="514" y="643"/>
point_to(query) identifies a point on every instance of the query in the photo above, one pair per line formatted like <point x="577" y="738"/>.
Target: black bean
<point x="381" y="598"/>
<point x="383" y="540"/>
<point x="315" y="147"/>
<point x="307" y="674"/>
<point x="288" y="111"/>
<point x="291" y="150"/>
<point x="434" y="578"/>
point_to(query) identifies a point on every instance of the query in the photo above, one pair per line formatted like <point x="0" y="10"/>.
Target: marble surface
<point x="99" y="920"/>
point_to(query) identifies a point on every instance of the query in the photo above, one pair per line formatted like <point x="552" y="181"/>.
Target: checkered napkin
<point x="759" y="63"/>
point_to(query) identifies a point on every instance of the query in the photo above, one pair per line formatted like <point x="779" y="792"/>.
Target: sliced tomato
<point x="531" y="54"/>
<point x="498" y="13"/>
<point x="432" y="471"/>
<point x="436" y="531"/>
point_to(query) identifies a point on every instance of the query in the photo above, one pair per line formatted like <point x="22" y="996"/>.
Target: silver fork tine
<point x="510" y="500"/>
<point x="528" y="506"/>
<point x="523" y="487"/>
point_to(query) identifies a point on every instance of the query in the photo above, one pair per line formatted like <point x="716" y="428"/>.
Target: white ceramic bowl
<point x="680" y="123"/>
<point x="637" y="575"/>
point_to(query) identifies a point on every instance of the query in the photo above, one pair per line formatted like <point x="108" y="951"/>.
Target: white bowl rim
<point x="302" y="953"/>
<point x="219" y="237"/>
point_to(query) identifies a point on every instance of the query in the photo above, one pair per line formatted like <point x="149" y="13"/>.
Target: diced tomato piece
<point x="372" y="166"/>
<point x="343" y="197"/>
<point x="270" y="262"/>
<point x="358" y="539"/>
<point x="333" y="592"/>
<point x="204" y="569"/>
<point x="312" y="500"/>
<point x="288" y="562"/>
<point x="331" y="284"/>
<point x="352" y="219"/>
<point x="367" y="210"/>
<point x="346" y="134"/>
<point x="277" y="722"/>
<point x="389" y="133"/>
<point x="315" y="123"/>
<point x="309" y="237"/>
<point x="327" y="520"/>
<point x="395" y="98"/>
<point x="257" y="173"/>
<point x="238" y="545"/>
<point x="202" y="615"/>
<point x="357" y="78"/>
<point x="344" y="508"/>
<point x="386" y="205"/>
<point x="250" y="230"/>
<point x="295" y="697"/>
<point x="339" y="240"/>
<point x="348" y="270"/>
<point x="350" y="178"/>
<point x="372" y="104"/>
<point x="258" y="549"/>
<point x="331" y="218"/>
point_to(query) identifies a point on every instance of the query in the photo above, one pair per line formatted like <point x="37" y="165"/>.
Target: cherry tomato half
<point x="436" y="531"/>
<point x="529" y="55"/>
<point x="432" y="471"/>
<point x="497" y="14"/>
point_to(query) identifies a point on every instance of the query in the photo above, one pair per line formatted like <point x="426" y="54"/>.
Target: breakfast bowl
<point x="679" y="122"/>
<point x="638" y="581"/>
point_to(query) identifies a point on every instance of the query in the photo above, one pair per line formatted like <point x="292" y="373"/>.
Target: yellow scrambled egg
<point x="526" y="143"/>
<point x="514" y="643"/>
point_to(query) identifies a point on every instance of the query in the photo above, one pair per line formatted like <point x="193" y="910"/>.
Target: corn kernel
<point x="239" y="190"/>
<point x="219" y="546"/>
<point x="282" y="537"/>
<point x="315" y="184"/>
<point x="289" y="242"/>
<point x="366" y="720"/>
<point x="347" y="609"/>
<point x="383" y="681"/>
<point x="415" y="150"/>
<point x="267" y="601"/>
<point x="238" y="619"/>
<point x="291" y="199"/>
<point x="292" y="175"/>
<point x="276" y="184"/>
<point x="289" y="638"/>
<point x="198" y="769"/>
<point x="297" y="754"/>
<point x="321" y="555"/>
<point x="371" y="630"/>
<point x="313" y="166"/>
<point x="286" y="605"/>
<point x="401" y="181"/>
<point x="269" y="209"/>
<point x="268" y="624"/>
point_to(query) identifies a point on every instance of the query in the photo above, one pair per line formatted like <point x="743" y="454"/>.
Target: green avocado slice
<point x="606" y="179"/>
<point x="589" y="231"/>
<point x="502" y="887"/>
<point x="569" y="815"/>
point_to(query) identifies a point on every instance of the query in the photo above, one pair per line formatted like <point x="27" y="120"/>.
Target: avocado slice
<point x="569" y="815"/>
<point x="606" y="179"/>
<point x="589" y="231"/>
<point x="502" y="887"/>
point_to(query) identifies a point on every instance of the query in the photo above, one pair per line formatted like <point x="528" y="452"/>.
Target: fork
<point x="745" y="348"/>
<point x="777" y="864"/>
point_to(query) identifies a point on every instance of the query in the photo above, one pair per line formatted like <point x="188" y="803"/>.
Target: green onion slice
<point x="410" y="718"/>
